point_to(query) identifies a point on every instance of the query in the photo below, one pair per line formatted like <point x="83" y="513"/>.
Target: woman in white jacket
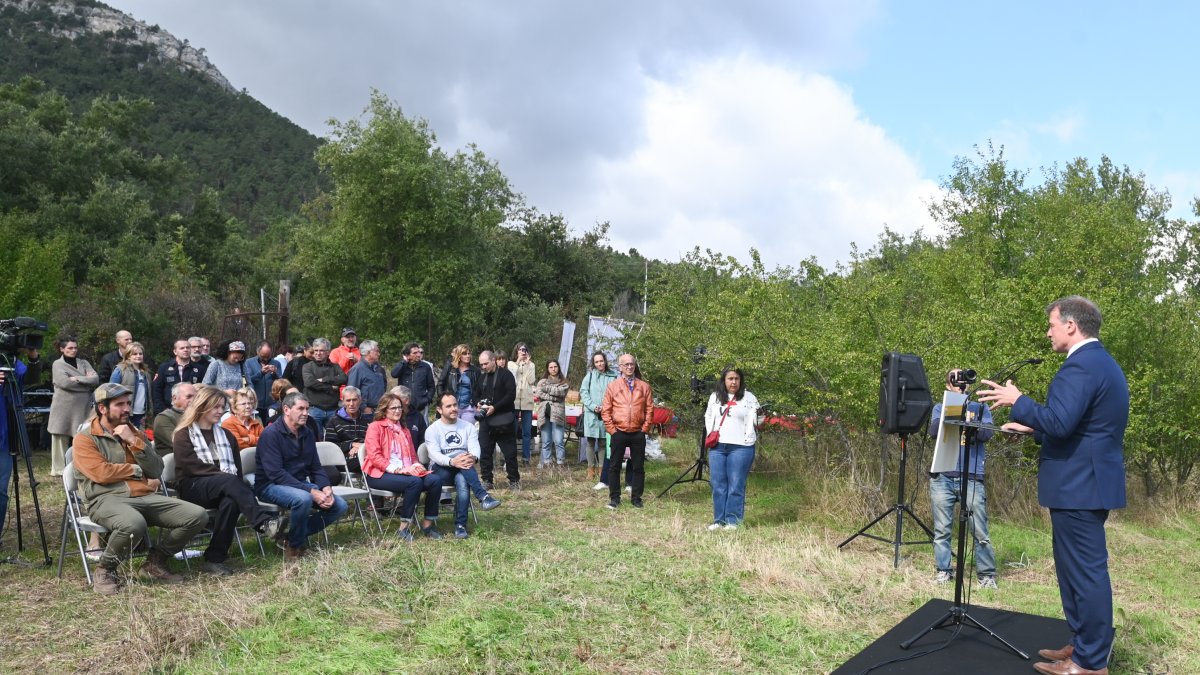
<point x="734" y="412"/>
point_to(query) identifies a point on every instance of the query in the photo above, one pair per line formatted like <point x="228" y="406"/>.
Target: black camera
<point x="962" y="377"/>
<point x="21" y="332"/>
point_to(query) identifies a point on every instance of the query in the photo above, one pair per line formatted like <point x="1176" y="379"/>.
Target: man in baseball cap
<point x="118" y="474"/>
<point x="348" y="353"/>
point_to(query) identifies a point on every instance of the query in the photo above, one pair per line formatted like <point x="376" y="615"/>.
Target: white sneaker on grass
<point x="730" y="526"/>
<point x="713" y="527"/>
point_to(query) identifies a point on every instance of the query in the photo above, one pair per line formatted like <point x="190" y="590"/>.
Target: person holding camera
<point x="732" y="414"/>
<point x="497" y="392"/>
<point x="945" y="491"/>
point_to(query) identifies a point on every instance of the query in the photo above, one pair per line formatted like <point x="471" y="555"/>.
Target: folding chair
<point x="168" y="476"/>
<point x="449" y="492"/>
<point x="249" y="466"/>
<point x="81" y="524"/>
<point x="331" y="455"/>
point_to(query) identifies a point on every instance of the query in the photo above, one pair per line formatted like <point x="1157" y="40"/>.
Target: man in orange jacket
<point x="626" y="410"/>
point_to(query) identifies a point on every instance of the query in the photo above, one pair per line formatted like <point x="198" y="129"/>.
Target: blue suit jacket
<point x="1082" y="432"/>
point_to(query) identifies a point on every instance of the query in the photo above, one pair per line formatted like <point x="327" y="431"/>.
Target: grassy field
<point x="553" y="581"/>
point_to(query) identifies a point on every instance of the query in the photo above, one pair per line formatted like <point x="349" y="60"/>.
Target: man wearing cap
<point x="164" y="422"/>
<point x="414" y="373"/>
<point x="118" y="476"/>
<point x="181" y="368"/>
<point x="323" y="380"/>
<point x="348" y="354"/>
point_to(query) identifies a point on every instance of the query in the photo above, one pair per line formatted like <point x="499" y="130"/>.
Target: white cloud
<point x="1063" y="127"/>
<point x="739" y="153"/>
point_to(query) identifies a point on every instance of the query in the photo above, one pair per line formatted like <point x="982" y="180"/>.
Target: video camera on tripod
<point x="21" y="332"/>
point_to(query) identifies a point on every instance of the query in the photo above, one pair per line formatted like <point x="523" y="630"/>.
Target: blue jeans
<point x="6" y="469"/>
<point x="306" y="518"/>
<point x="553" y="436"/>
<point x="410" y="489"/>
<point x="466" y="482"/>
<point x="523" y="427"/>
<point x="319" y="416"/>
<point x="943" y="495"/>
<point x="728" y="467"/>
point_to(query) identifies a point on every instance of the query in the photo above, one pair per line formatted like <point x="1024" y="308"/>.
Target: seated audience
<point x="208" y="468"/>
<point x="165" y="422"/>
<point x="348" y="427"/>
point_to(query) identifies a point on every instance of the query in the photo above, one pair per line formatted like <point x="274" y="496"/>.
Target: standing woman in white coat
<point x="74" y="380"/>
<point x="733" y="412"/>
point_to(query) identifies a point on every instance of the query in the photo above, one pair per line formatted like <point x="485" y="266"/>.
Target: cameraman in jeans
<point x="944" y="493"/>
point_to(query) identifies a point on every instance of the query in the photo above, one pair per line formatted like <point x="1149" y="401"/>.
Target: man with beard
<point x="118" y="474"/>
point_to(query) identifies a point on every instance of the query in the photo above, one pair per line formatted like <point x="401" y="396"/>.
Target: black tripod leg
<point x="868" y="526"/>
<point x="946" y="618"/>
<point x="917" y="519"/>
<point x="972" y="621"/>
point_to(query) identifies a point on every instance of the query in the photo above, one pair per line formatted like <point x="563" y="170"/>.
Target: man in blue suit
<point x="1081" y="475"/>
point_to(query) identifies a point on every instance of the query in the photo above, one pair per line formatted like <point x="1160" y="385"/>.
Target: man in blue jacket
<point x="1081" y="475"/>
<point x="288" y="473"/>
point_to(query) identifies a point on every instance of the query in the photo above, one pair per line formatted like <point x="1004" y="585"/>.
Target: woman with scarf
<point x="208" y="470"/>
<point x="551" y="392"/>
<point x="389" y="462"/>
<point x="133" y="373"/>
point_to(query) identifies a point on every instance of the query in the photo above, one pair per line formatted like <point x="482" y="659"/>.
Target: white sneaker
<point x="943" y="577"/>
<point x="600" y="486"/>
<point x="628" y="489"/>
<point x="714" y="527"/>
<point x="730" y="526"/>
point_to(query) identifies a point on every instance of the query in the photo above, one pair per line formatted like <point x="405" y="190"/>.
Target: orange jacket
<point x="105" y="468"/>
<point x="246" y="434"/>
<point x="625" y="410"/>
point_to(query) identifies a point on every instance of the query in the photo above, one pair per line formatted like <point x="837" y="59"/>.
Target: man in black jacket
<point x="497" y="392"/>
<point x="417" y="375"/>
<point x="109" y="361"/>
<point x="181" y="368"/>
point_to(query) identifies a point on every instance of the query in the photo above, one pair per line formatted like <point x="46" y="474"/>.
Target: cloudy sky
<point x="793" y="127"/>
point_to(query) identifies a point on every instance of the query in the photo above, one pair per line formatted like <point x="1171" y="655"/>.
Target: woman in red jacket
<point x="390" y="463"/>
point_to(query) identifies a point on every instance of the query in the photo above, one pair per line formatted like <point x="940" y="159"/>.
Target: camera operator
<point x="17" y="371"/>
<point x="944" y="490"/>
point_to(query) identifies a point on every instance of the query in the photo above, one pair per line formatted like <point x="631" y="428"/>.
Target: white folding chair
<point x="330" y="454"/>
<point x="449" y="492"/>
<point x="396" y="497"/>
<point x="79" y="522"/>
<point x="249" y="466"/>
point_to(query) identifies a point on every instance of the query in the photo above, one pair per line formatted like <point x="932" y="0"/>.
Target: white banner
<point x="564" y="348"/>
<point x="608" y="336"/>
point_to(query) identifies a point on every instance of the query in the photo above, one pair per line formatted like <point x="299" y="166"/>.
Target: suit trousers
<point x="1081" y="562"/>
<point x="489" y="437"/>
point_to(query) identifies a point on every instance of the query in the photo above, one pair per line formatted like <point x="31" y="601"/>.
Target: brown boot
<point x="291" y="554"/>
<point x="107" y="582"/>
<point x="156" y="568"/>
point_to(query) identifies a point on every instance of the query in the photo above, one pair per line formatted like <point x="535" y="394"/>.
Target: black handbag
<point x="504" y="419"/>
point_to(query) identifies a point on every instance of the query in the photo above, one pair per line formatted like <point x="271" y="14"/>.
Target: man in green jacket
<point x="118" y="474"/>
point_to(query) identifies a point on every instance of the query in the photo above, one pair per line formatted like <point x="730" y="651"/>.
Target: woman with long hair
<point x="732" y="411"/>
<point x="133" y="373"/>
<point x="525" y="373"/>
<point x="208" y="470"/>
<point x="389" y="462"/>
<point x="74" y="380"/>
<point x="243" y="424"/>
<point x="461" y="378"/>
<point x="551" y="392"/>
<point x="595" y="439"/>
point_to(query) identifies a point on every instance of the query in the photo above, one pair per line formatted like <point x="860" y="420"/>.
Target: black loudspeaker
<point x="904" y="400"/>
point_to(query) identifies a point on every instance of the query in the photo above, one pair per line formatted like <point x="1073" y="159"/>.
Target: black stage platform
<point x="973" y="651"/>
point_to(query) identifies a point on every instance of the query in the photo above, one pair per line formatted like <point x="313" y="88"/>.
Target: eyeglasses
<point x="626" y="365"/>
<point x="395" y="408"/>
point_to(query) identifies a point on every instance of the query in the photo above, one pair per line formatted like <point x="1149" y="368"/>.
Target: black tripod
<point x="899" y="509"/>
<point x="20" y="434"/>
<point x="696" y="469"/>
<point x="958" y="614"/>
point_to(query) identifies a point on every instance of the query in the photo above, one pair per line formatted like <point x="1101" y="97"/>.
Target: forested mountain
<point x="260" y="163"/>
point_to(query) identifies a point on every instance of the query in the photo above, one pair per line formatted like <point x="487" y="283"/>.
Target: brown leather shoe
<point x="291" y="554"/>
<point x="1067" y="667"/>
<point x="1057" y="654"/>
<point x="156" y="568"/>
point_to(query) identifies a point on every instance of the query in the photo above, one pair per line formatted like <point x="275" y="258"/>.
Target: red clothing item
<point x="341" y="356"/>
<point x="246" y="434"/>
<point x="377" y="447"/>
<point x="627" y="410"/>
